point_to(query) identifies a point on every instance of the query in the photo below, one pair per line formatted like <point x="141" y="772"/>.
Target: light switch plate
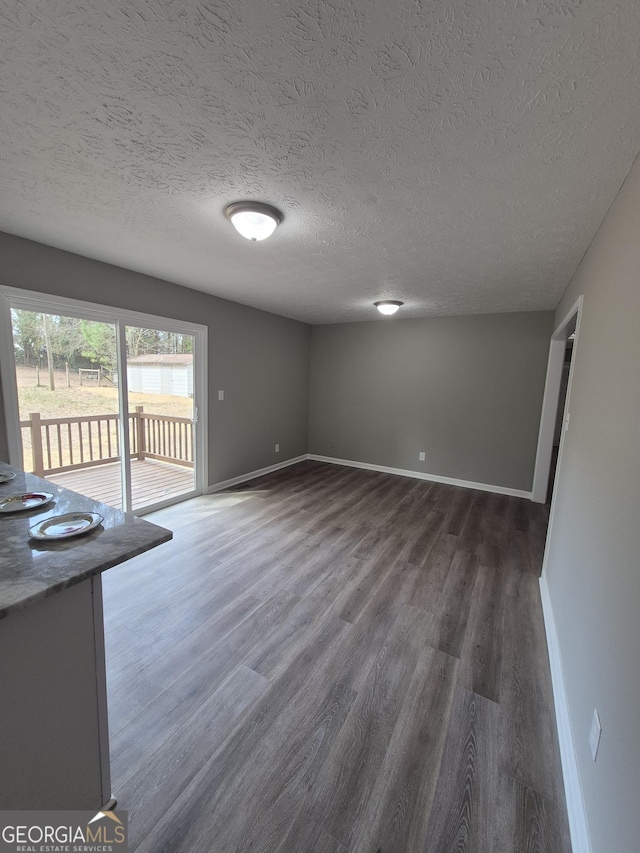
<point x="220" y="395"/>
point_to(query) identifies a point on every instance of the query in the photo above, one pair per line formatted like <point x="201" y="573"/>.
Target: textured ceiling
<point x="456" y="154"/>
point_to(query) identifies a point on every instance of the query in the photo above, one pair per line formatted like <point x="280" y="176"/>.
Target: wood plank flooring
<point x="330" y="660"/>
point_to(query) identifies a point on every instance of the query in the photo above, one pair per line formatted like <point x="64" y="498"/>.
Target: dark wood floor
<point x="329" y="660"/>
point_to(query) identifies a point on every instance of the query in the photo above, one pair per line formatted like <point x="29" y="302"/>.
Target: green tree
<point x="67" y="340"/>
<point x="99" y="343"/>
<point x="28" y="336"/>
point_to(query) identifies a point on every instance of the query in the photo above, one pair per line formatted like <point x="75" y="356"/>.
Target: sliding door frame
<point x="42" y="303"/>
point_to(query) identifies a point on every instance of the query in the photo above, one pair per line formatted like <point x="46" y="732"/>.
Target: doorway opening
<point x="555" y="417"/>
<point x="562" y="401"/>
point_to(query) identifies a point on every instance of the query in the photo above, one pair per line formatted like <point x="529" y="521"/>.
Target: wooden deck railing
<point x="67" y="444"/>
<point x="164" y="437"/>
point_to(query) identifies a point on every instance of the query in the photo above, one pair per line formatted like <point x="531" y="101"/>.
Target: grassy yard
<point x="77" y="400"/>
<point x="88" y="399"/>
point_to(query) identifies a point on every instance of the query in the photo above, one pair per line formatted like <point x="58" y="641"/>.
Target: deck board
<point x="151" y="482"/>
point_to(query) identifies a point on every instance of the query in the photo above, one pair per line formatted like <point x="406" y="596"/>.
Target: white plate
<point x="65" y="526"/>
<point x="28" y="500"/>
<point x="5" y="476"/>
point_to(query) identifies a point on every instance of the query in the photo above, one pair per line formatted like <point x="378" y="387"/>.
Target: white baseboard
<point x="419" y="475"/>
<point x="578" y="827"/>
<point x="234" y="481"/>
<point x="384" y="469"/>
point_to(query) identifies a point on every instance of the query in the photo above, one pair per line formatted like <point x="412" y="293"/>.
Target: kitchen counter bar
<point x="54" y="740"/>
<point x="31" y="570"/>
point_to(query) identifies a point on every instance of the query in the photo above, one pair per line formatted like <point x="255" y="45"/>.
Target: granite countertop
<point x="31" y="570"/>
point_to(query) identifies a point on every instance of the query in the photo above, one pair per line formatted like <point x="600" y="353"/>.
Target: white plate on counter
<point x="5" y="476"/>
<point x="27" y="500"/>
<point x="65" y="526"/>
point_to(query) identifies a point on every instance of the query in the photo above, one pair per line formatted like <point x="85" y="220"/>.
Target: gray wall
<point x="466" y="390"/>
<point x="593" y="568"/>
<point x="259" y="359"/>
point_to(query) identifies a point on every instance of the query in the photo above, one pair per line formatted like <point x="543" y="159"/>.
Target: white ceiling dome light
<point x="388" y="306"/>
<point x="253" y="219"/>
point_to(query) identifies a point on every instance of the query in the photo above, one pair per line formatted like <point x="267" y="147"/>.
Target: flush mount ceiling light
<point x="388" y="306"/>
<point x="252" y="219"/>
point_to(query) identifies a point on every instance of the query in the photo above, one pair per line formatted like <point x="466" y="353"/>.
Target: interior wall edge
<point x="252" y="475"/>
<point x="593" y="541"/>
<point x="580" y="840"/>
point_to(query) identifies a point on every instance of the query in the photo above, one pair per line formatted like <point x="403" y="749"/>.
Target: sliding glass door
<point x="65" y="370"/>
<point x="103" y="403"/>
<point x="160" y="394"/>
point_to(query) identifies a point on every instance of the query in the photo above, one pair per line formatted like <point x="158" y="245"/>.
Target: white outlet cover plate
<point x="594" y="735"/>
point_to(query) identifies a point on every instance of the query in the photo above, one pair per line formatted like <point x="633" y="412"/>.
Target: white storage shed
<point x="161" y="374"/>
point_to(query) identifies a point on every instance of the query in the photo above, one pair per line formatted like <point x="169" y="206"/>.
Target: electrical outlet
<point x="594" y="735"/>
<point x="220" y="395"/>
<point x="277" y="448"/>
<point x="423" y="456"/>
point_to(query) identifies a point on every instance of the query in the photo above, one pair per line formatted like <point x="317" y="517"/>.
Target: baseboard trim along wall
<point x="578" y="827"/>
<point x="419" y="475"/>
<point x="384" y="469"/>
<point x="235" y="481"/>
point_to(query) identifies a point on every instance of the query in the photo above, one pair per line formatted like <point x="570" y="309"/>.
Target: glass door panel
<point x="160" y="404"/>
<point x="68" y="402"/>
